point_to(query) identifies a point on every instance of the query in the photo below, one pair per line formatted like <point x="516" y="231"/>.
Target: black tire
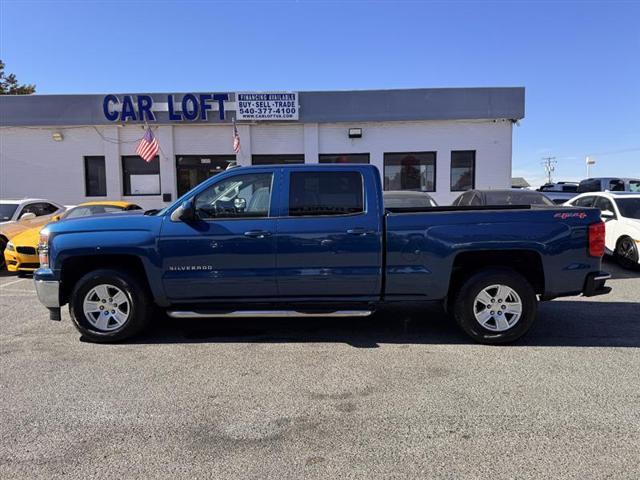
<point x="138" y="309"/>
<point x="3" y="245"/>
<point x="464" y="308"/>
<point x="627" y="253"/>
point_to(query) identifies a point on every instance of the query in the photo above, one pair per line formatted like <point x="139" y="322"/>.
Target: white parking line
<point x="12" y="283"/>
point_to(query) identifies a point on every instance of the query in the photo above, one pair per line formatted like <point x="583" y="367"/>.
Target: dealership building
<point x="75" y="148"/>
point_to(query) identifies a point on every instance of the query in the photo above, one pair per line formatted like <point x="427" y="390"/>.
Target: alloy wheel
<point x="106" y="307"/>
<point x="497" y="308"/>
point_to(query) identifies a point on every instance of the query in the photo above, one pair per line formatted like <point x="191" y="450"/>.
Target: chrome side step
<point x="267" y="314"/>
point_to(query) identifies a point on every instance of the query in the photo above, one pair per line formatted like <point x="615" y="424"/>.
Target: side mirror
<point x="185" y="212"/>
<point x="607" y="214"/>
<point x="27" y="216"/>
<point x="55" y="218"/>
<point x="240" y="204"/>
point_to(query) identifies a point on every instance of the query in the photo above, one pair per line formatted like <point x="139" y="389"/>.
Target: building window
<point x="410" y="171"/>
<point x="277" y="159"/>
<point x="463" y="170"/>
<point x="140" y="177"/>
<point x="325" y="193"/>
<point x="95" y="177"/>
<point x="344" y="158"/>
<point x="195" y="169"/>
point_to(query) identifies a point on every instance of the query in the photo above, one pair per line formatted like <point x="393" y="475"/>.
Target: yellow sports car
<point x="21" y="253"/>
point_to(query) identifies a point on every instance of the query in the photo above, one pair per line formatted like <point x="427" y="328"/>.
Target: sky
<point x="578" y="61"/>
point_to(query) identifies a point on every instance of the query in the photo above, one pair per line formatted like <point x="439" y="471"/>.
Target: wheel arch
<point x="527" y="263"/>
<point x="74" y="268"/>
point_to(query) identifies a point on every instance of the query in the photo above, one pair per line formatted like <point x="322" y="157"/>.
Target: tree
<point x="9" y="84"/>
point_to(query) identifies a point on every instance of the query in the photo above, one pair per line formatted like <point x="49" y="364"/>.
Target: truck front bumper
<point x="49" y="295"/>
<point x="594" y="284"/>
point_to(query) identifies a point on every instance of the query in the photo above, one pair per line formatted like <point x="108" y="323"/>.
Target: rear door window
<point x="616" y="185"/>
<point x="604" y="204"/>
<point x="325" y="193"/>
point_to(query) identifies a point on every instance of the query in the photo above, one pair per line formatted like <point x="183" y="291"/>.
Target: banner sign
<point x="267" y="106"/>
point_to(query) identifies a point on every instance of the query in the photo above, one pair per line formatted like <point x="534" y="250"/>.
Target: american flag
<point x="236" y="139"/>
<point x="148" y="146"/>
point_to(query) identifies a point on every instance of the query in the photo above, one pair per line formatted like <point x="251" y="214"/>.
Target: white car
<point x="621" y="213"/>
<point x="26" y="208"/>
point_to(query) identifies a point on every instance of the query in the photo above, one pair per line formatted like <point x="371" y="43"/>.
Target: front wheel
<point x="109" y="306"/>
<point x="495" y="306"/>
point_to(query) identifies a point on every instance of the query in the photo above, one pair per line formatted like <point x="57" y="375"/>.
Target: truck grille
<point x="26" y="250"/>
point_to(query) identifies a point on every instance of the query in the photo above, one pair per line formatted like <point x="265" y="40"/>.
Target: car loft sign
<point x="267" y="106"/>
<point x="142" y="107"/>
<point x="198" y="107"/>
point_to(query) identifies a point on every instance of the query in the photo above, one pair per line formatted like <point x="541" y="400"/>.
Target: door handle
<point x="358" y="231"/>
<point x="257" y="234"/>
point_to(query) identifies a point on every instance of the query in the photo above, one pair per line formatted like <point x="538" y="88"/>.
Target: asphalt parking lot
<point x="399" y="395"/>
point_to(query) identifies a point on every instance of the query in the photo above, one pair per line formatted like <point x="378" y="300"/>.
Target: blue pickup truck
<point x="315" y="240"/>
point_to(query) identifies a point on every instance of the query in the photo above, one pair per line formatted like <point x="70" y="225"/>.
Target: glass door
<point x="195" y="169"/>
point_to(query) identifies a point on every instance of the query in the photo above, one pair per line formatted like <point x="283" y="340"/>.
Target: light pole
<point x="589" y="161"/>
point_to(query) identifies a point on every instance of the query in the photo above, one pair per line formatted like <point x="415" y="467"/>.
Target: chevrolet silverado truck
<point x="315" y="240"/>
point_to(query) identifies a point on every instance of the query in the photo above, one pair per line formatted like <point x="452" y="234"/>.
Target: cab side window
<point x="325" y="193"/>
<point x="240" y="196"/>
<point x="616" y="185"/>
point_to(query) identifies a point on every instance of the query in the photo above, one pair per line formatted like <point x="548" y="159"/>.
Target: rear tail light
<point x="596" y="239"/>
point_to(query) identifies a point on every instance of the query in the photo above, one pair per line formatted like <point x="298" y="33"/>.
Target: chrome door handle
<point x="358" y="231"/>
<point x="257" y="234"/>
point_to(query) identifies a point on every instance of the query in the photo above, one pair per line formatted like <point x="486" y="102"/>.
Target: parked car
<point x="27" y="208"/>
<point x="569" y="187"/>
<point x="502" y="197"/>
<point x="407" y="199"/>
<point x="315" y="240"/>
<point x="19" y="215"/>
<point x="20" y="254"/>
<point x="559" y="192"/>
<point x="609" y="184"/>
<point x="621" y="214"/>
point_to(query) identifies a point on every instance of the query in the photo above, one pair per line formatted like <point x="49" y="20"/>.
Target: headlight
<point x="10" y="247"/>
<point x="43" y="248"/>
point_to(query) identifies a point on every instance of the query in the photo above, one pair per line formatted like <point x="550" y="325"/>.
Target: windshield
<point x="629" y="207"/>
<point x="634" y="186"/>
<point x="7" y="210"/>
<point x="517" y="198"/>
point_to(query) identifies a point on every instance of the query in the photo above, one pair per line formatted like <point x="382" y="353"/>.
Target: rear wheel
<point x="495" y="306"/>
<point x="627" y="253"/>
<point x="109" y="306"/>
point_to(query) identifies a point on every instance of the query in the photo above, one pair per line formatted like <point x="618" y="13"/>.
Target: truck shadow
<point x="617" y="272"/>
<point x="560" y="323"/>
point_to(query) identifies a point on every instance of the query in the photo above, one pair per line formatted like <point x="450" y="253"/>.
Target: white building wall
<point x="33" y="164"/>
